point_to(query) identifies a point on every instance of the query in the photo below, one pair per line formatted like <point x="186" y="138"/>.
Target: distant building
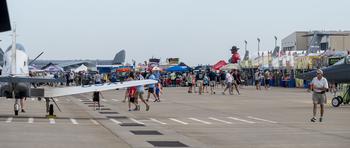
<point x="172" y="61"/>
<point x="295" y="41"/>
<point x="316" y="40"/>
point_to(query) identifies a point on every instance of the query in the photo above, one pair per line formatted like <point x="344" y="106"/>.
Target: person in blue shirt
<point x="140" y="91"/>
<point x="151" y="87"/>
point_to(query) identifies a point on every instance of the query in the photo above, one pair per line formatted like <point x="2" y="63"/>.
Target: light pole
<point x="258" y="47"/>
<point x="275" y="41"/>
<point x="245" y="47"/>
<point x="258" y="51"/>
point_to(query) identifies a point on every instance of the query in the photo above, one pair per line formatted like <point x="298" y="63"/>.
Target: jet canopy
<point x="18" y="46"/>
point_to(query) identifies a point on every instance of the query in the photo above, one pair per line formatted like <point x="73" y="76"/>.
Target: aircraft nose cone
<point x="307" y="75"/>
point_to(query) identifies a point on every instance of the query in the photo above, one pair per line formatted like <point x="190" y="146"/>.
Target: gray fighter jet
<point x="337" y="73"/>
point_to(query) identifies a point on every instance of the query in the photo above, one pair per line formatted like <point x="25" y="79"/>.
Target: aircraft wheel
<point x="16" y="112"/>
<point x="341" y="100"/>
<point x="335" y="102"/>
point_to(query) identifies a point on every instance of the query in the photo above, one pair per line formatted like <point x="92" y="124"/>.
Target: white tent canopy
<point x="82" y="67"/>
<point x="230" y="67"/>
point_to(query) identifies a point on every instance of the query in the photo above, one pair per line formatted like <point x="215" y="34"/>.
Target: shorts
<point x="151" y="90"/>
<point x="132" y="99"/>
<point x="257" y="82"/>
<point x="96" y="99"/>
<point x="157" y="91"/>
<point x="238" y="82"/>
<point x="200" y="83"/>
<point x="318" y="98"/>
<point x="212" y="83"/>
<point x="190" y="84"/>
<point x="267" y="82"/>
<point x="140" y="94"/>
<point x="229" y="85"/>
<point x="206" y="84"/>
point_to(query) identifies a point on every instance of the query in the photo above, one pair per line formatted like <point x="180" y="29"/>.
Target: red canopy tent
<point x="219" y="64"/>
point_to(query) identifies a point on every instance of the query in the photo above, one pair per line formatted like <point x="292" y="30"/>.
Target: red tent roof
<point x="219" y="64"/>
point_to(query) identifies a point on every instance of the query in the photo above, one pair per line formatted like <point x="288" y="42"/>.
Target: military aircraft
<point x="316" y="38"/>
<point x="337" y="73"/>
<point x="15" y="81"/>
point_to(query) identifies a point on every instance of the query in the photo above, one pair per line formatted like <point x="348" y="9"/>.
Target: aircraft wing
<point x="65" y="91"/>
<point x="334" y="74"/>
<point x="22" y="79"/>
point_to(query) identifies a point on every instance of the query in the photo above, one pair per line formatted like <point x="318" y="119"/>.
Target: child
<point x="158" y="91"/>
<point x="132" y="98"/>
<point x="96" y="99"/>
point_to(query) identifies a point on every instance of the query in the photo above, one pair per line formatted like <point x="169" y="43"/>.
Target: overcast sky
<point x="196" y="31"/>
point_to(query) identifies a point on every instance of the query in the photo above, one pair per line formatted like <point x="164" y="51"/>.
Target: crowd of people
<point x="134" y="94"/>
<point x="199" y="81"/>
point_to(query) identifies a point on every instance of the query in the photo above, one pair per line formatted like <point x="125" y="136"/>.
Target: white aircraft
<point x="15" y="81"/>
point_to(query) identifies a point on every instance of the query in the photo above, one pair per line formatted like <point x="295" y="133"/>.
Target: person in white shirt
<point x="319" y="85"/>
<point x="229" y="80"/>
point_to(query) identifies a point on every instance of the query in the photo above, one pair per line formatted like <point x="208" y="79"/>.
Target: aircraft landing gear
<point x="16" y="108"/>
<point x="336" y="101"/>
<point x="16" y="105"/>
<point x="345" y="99"/>
<point x="50" y="108"/>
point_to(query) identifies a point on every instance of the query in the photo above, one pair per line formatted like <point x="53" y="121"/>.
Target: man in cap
<point x="319" y="86"/>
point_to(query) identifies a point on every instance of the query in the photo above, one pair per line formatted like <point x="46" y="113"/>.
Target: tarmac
<point x="278" y="117"/>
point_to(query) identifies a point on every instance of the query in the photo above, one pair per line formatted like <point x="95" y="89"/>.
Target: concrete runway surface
<point x="278" y="117"/>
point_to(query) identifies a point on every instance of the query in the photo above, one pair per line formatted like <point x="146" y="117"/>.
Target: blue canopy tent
<point x="177" y="69"/>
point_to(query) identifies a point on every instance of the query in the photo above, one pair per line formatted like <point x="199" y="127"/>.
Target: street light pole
<point x="245" y="47"/>
<point x="275" y="41"/>
<point x="258" y="46"/>
<point x="258" y="50"/>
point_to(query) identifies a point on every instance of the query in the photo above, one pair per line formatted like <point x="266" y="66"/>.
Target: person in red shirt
<point x="132" y="98"/>
<point x="132" y="95"/>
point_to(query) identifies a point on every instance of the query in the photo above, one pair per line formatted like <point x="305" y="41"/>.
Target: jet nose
<point x="307" y="75"/>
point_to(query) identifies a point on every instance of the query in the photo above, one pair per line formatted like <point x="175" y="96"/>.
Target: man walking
<point x="212" y="78"/>
<point x="151" y="88"/>
<point x="199" y="79"/>
<point x="319" y="86"/>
